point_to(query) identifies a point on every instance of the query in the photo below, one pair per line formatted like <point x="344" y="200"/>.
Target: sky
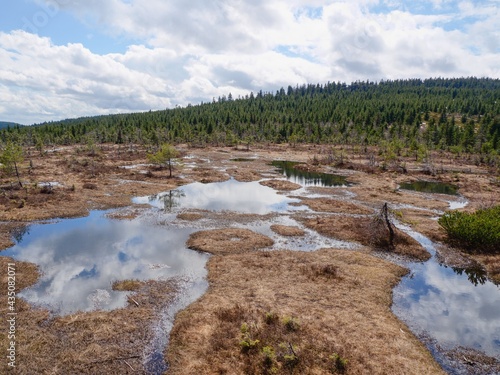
<point x="70" y="58"/>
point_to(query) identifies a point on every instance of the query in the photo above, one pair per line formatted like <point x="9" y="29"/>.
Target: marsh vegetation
<point x="215" y="178"/>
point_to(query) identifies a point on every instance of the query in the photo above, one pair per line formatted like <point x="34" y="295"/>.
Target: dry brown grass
<point x="127" y="213"/>
<point x="283" y="185"/>
<point x="127" y="285"/>
<point x="207" y="175"/>
<point x="335" y="205"/>
<point x="244" y="175"/>
<point x="285" y="230"/>
<point x="227" y="241"/>
<point x="423" y="222"/>
<point x="84" y="343"/>
<point x="339" y="302"/>
<point x="189" y="216"/>
<point x="369" y="232"/>
<point x="9" y="230"/>
<point x="339" y="299"/>
<point x="85" y="182"/>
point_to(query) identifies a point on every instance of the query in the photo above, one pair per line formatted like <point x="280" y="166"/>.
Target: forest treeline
<point x="460" y="115"/>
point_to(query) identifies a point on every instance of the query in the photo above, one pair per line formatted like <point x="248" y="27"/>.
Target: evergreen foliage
<point x="10" y="158"/>
<point x="164" y="157"/>
<point x="460" y="115"/>
<point x="477" y="232"/>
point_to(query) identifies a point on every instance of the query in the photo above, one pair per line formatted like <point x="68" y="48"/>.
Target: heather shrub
<point x="475" y="232"/>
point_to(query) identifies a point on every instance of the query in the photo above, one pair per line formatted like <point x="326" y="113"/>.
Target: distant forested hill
<point x="4" y="124"/>
<point x="460" y="114"/>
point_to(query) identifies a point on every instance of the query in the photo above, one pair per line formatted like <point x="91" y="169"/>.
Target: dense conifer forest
<point x="4" y="124"/>
<point x="458" y="115"/>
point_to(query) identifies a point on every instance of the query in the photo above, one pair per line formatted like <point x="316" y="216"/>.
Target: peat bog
<point x="243" y="224"/>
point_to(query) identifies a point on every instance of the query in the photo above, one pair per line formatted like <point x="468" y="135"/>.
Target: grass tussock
<point x="229" y="240"/>
<point x="127" y="285"/>
<point x="308" y="313"/>
<point x="95" y="342"/>
<point x="317" y="270"/>
<point x="335" y="205"/>
<point x="189" y="216"/>
<point x="280" y="185"/>
<point x="287" y="231"/>
<point x="369" y="231"/>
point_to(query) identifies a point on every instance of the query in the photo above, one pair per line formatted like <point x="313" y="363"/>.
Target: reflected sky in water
<point x="80" y="258"/>
<point x="232" y="195"/>
<point x="452" y="306"/>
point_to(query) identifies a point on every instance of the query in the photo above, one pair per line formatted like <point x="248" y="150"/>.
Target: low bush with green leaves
<point x="477" y="232"/>
<point x="275" y="344"/>
<point x="339" y="364"/>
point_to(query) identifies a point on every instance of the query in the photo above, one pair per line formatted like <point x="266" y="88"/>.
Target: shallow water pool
<point x="307" y="178"/>
<point x="231" y="195"/>
<point x="80" y="259"/>
<point x="452" y="307"/>
<point x="430" y="187"/>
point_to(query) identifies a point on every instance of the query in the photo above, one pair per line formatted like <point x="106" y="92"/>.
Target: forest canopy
<point x="460" y="114"/>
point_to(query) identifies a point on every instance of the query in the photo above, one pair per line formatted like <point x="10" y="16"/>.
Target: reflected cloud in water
<point x="81" y="258"/>
<point x="456" y="307"/>
<point x="231" y="195"/>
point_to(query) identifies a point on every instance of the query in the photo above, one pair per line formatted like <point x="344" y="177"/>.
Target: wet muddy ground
<point x="341" y="298"/>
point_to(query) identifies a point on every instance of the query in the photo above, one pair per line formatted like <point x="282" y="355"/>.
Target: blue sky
<point x="69" y="58"/>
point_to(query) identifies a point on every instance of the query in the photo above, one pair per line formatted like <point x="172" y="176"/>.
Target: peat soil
<point x="315" y="312"/>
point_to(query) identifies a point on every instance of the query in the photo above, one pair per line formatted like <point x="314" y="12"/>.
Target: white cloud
<point x="197" y="50"/>
<point x="49" y="81"/>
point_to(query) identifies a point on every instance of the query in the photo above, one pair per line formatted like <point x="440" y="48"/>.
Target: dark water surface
<point x="430" y="187"/>
<point x="305" y="178"/>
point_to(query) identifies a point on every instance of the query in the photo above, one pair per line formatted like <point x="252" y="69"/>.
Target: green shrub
<point x="269" y="356"/>
<point x="475" y="232"/>
<point x="248" y="344"/>
<point x="339" y="364"/>
<point x="271" y="318"/>
<point x="288" y="356"/>
<point x="290" y="323"/>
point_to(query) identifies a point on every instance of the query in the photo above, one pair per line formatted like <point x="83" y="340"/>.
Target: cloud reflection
<point x="450" y="308"/>
<point x="246" y="197"/>
<point x="81" y="258"/>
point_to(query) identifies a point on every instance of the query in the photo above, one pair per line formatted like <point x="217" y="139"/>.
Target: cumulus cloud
<point x="194" y="51"/>
<point x="39" y="78"/>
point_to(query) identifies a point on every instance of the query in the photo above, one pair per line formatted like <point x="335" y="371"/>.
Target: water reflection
<point x="476" y="275"/>
<point x="80" y="258"/>
<point x="171" y="199"/>
<point x="430" y="187"/>
<point x="18" y="233"/>
<point x="306" y="178"/>
<point x="456" y="307"/>
<point x="231" y="195"/>
<point x="242" y="159"/>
